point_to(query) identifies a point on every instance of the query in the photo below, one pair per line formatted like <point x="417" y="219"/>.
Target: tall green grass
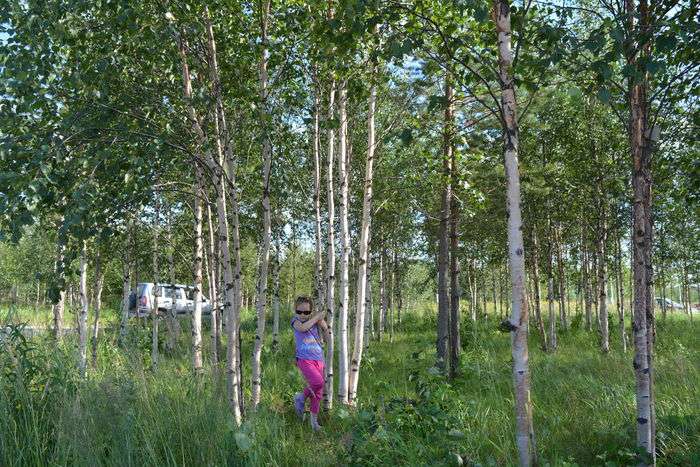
<point x="129" y="414"/>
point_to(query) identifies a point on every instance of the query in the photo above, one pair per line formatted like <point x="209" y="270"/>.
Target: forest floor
<point x="126" y="413"/>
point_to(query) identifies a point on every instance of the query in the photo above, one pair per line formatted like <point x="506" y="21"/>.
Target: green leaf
<point x="604" y="95"/>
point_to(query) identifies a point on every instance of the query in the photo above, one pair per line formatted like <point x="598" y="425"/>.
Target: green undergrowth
<point x="128" y="413"/>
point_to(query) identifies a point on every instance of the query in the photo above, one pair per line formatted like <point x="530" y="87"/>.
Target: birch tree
<point x="343" y="176"/>
<point x="364" y="243"/>
<point x="261" y="290"/>
<point x="83" y="313"/>
<point x="525" y="438"/>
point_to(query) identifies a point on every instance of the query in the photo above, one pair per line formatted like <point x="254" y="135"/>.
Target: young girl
<point x="309" y="354"/>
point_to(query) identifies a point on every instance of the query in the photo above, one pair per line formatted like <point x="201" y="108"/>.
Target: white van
<point x="171" y="297"/>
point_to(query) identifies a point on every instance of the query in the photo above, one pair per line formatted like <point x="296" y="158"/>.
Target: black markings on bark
<point x="642" y="421"/>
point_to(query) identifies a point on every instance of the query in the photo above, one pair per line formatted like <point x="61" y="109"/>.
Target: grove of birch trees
<point x="490" y="169"/>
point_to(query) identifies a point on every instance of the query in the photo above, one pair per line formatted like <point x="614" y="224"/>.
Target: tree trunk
<point x="213" y="294"/>
<point x="382" y="294"/>
<point x="369" y="308"/>
<point x="126" y="286"/>
<point x="364" y="244"/>
<point x="83" y="314"/>
<point x="170" y="317"/>
<point x="443" y="321"/>
<point x="276" y="298"/>
<point x="641" y="235"/>
<point x="261" y="292"/>
<point x="525" y="437"/>
<point x="343" y="176"/>
<point x="97" y="305"/>
<point x="330" y="257"/>
<point x="552" y="344"/>
<point x="620" y="296"/>
<point x="585" y="273"/>
<point x="198" y="254"/>
<point x="602" y="284"/>
<point x="536" y="284"/>
<point x="318" y="256"/>
<point x="59" y="271"/>
<point x="156" y="280"/>
<point x="454" y="321"/>
<point x="230" y="301"/>
<point x="562" y="279"/>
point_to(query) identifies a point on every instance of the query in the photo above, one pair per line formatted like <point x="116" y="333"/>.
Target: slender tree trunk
<point x="641" y="246"/>
<point x="585" y="272"/>
<point x="602" y="284"/>
<point x="214" y="299"/>
<point x="443" y="321"/>
<point x="494" y="295"/>
<point x="620" y="296"/>
<point x="343" y="176"/>
<point x="230" y="301"/>
<point x="382" y="294"/>
<point x="363" y="260"/>
<point x="455" y="290"/>
<point x="550" y="290"/>
<point x="276" y="298"/>
<point x="318" y="256"/>
<point x="198" y="254"/>
<point x="156" y="292"/>
<point x="562" y="279"/>
<point x="536" y="285"/>
<point x="59" y="271"/>
<point x="83" y="314"/>
<point x="369" y="309"/>
<point x="265" y="244"/>
<point x="97" y="305"/>
<point x="126" y="287"/>
<point x="171" y="318"/>
<point x="525" y="436"/>
<point x="330" y="257"/>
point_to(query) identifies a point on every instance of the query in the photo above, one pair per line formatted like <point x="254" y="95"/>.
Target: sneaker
<point x="314" y="423"/>
<point x="299" y="401"/>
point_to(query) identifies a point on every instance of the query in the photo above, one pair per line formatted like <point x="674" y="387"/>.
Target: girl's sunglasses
<point x="304" y="312"/>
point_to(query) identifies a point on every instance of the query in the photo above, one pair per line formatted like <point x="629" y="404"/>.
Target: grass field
<point x="127" y="414"/>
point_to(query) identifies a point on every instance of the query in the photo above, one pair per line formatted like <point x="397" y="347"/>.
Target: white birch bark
<point x="276" y="298"/>
<point x="126" y="288"/>
<point x="536" y="284"/>
<point x="641" y="236"/>
<point x="318" y="257"/>
<point x="362" y="263"/>
<point x="369" y="309"/>
<point x="198" y="254"/>
<point x="443" y="320"/>
<point x="602" y="286"/>
<point x="525" y="438"/>
<point x="382" y="295"/>
<point x="170" y="317"/>
<point x="230" y="308"/>
<point x="59" y="306"/>
<point x="83" y="314"/>
<point x="213" y="293"/>
<point x="97" y="305"/>
<point x="261" y="291"/>
<point x="330" y="257"/>
<point x="343" y="177"/>
<point x="156" y="279"/>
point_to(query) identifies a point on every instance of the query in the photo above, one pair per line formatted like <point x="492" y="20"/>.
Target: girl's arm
<point x="324" y="327"/>
<point x="309" y="323"/>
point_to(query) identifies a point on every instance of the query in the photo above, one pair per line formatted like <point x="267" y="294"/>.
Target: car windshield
<point x="170" y="292"/>
<point x="140" y="290"/>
